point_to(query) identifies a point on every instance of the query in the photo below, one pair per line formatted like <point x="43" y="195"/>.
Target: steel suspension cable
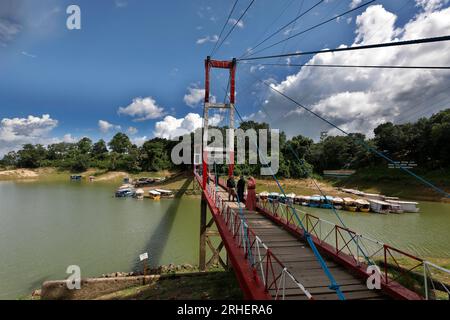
<point x="282" y="28"/>
<point x="351" y="66"/>
<point x="233" y="27"/>
<point x="224" y="26"/>
<point x="334" y="285"/>
<point x="310" y="28"/>
<point x="363" y="47"/>
<point x="363" y="143"/>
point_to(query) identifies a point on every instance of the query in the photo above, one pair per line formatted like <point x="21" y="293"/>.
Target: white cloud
<point x="431" y="5"/>
<point x="239" y="24"/>
<point x="355" y="3"/>
<point x="8" y="30"/>
<point x="67" y="138"/>
<point x="359" y="99"/>
<point x="105" y="126"/>
<point x="139" y="141"/>
<point x="143" y="109"/>
<point x="195" y="97"/>
<point x="18" y="131"/>
<point x="132" y="130"/>
<point x="206" y="39"/>
<point x="29" y="55"/>
<point x="172" y="127"/>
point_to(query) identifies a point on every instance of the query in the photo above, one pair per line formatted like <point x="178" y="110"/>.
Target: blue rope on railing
<point x="334" y="285"/>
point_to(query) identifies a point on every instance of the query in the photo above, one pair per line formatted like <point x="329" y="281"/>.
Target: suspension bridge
<point x="277" y="251"/>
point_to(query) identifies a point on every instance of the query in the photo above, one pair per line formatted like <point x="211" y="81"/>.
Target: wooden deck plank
<point x="301" y="262"/>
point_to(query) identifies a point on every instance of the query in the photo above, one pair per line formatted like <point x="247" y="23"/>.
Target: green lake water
<point x="45" y="227"/>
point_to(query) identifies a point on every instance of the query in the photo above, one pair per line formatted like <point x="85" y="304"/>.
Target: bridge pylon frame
<point x="206" y="231"/>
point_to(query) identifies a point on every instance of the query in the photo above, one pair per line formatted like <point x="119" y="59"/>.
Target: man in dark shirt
<point x="241" y="189"/>
<point x="231" y="185"/>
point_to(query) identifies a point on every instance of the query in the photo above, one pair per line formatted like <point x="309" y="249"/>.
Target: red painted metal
<point x="231" y="65"/>
<point x="250" y="285"/>
<point x="389" y="287"/>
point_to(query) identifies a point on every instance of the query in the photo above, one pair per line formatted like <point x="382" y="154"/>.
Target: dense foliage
<point x="426" y="142"/>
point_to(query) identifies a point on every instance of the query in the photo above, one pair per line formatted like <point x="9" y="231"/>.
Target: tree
<point x="10" y="159"/>
<point x="85" y="145"/>
<point x="120" y="143"/>
<point x="31" y="156"/>
<point x="156" y="155"/>
<point x="99" y="150"/>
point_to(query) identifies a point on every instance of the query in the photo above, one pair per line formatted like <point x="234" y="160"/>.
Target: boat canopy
<point x="162" y="191"/>
<point x="154" y="193"/>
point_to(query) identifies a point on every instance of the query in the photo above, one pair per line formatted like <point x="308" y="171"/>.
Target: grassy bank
<point x="211" y="286"/>
<point x="374" y="180"/>
<point x="397" y="183"/>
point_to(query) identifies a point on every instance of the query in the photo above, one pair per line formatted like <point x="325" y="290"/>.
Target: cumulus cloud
<point x="105" y="126"/>
<point x="8" y="30"/>
<point x="143" y="109"/>
<point x="359" y="99"/>
<point x="195" y="97"/>
<point x="206" y="39"/>
<point x="139" y="141"/>
<point x="18" y="131"/>
<point x="431" y="5"/>
<point x="172" y="127"/>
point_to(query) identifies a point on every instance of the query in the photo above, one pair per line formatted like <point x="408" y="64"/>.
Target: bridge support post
<point x="203" y="229"/>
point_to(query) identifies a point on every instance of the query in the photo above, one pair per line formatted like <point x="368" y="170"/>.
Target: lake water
<point x="45" y="227"/>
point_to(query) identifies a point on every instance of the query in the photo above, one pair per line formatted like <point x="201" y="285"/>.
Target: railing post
<point x="425" y="279"/>
<point x="385" y="264"/>
<point x="202" y="256"/>
<point x="336" y="240"/>
<point x="357" y="250"/>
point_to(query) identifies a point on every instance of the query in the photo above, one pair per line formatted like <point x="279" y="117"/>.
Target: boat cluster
<point x="365" y="204"/>
<point x="128" y="190"/>
<point x="134" y="188"/>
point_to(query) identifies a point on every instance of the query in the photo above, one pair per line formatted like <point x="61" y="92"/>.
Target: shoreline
<point x="179" y="181"/>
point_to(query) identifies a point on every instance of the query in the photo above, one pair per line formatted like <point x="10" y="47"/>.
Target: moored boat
<point x="154" y="195"/>
<point x="379" y="206"/>
<point x="165" y="193"/>
<point x="338" y="203"/>
<point x="326" y="202"/>
<point x="139" y="194"/>
<point x="75" y="177"/>
<point x="314" y="201"/>
<point x="350" y="205"/>
<point x="406" y="206"/>
<point x="274" y="196"/>
<point x="263" y="195"/>
<point x="362" y="205"/>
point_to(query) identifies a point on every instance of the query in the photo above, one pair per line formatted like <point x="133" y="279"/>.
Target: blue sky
<point x="131" y="49"/>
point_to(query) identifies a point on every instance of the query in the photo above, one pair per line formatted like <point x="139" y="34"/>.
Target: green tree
<point x="85" y="145"/>
<point x="99" y="149"/>
<point x="120" y="143"/>
<point x="31" y="156"/>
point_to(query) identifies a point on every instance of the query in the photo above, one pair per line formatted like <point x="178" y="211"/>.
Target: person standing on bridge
<point x="241" y="188"/>
<point x="250" y="203"/>
<point x="231" y="185"/>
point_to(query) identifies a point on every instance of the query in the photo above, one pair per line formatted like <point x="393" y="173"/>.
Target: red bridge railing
<point x="402" y="275"/>
<point x="265" y="266"/>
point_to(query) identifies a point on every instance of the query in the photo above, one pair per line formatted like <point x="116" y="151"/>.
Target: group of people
<point x="238" y="190"/>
